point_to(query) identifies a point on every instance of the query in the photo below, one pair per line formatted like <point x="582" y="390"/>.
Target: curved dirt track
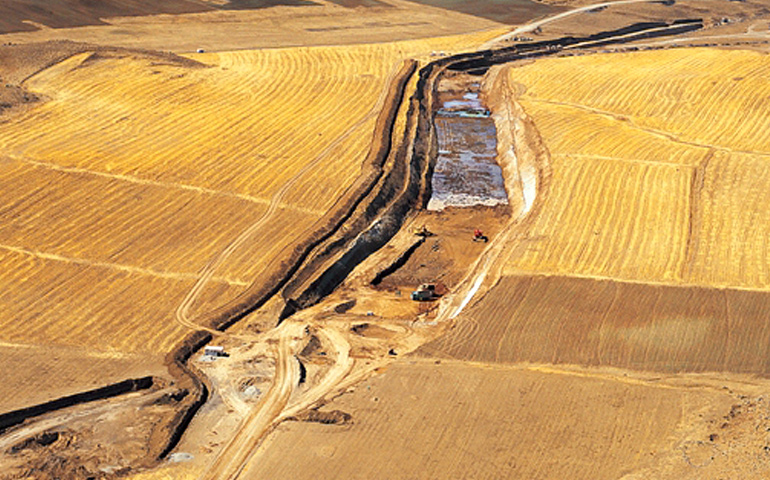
<point x="182" y="312"/>
<point x="534" y="25"/>
<point x="233" y="458"/>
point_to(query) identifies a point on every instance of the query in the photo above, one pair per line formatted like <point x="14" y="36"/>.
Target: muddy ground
<point x="447" y="253"/>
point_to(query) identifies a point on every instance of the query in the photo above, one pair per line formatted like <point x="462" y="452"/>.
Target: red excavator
<point x="478" y="236"/>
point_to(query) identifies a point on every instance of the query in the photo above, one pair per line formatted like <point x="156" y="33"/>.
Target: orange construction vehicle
<point x="478" y="236"/>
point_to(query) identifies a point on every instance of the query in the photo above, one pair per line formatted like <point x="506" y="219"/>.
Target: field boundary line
<point x="155" y="183"/>
<point x="666" y="381"/>
<point x="653" y="131"/>
<point x="513" y="272"/>
<point x="116" y="266"/>
<point x="208" y="271"/>
<point x="629" y="160"/>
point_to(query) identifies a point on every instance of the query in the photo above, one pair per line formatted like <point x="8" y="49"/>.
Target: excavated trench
<point x="466" y="172"/>
<point x="379" y="203"/>
<point x="410" y="183"/>
<point x="382" y="203"/>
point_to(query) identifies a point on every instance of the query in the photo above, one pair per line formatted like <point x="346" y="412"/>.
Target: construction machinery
<point x="423" y="231"/>
<point x="427" y="291"/>
<point x="478" y="236"/>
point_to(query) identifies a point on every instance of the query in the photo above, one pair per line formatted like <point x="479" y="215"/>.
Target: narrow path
<point x="116" y="266"/>
<point x="152" y="183"/>
<point x="652" y="131"/>
<point x="342" y="366"/>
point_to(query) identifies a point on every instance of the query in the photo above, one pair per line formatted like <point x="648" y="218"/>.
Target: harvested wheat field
<point x="226" y="25"/>
<point x="583" y="321"/>
<point x="641" y="163"/>
<point x="609" y="322"/>
<point x="166" y="170"/>
<point x="34" y="367"/>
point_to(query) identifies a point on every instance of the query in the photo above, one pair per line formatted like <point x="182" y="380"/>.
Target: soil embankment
<point x="16" y="417"/>
<point x="520" y="150"/>
<point x="263" y="289"/>
<point x="402" y="189"/>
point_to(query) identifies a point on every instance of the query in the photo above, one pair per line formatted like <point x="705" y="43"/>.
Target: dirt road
<point x="534" y="25"/>
<point x="231" y="461"/>
<point x="343" y="364"/>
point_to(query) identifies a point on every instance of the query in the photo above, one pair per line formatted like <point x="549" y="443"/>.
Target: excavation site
<point x="384" y="239"/>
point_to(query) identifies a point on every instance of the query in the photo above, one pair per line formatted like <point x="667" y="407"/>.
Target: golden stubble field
<point x="279" y="24"/>
<point x="658" y="167"/>
<point x="137" y="170"/>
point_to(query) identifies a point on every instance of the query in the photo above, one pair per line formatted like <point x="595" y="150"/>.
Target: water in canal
<point x="466" y="172"/>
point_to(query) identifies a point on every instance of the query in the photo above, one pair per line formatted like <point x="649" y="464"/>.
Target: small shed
<point x="214" y="351"/>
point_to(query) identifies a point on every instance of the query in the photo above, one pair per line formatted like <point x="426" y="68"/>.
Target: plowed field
<point x="582" y="321"/>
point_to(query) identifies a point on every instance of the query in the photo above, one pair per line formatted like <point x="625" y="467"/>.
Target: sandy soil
<point x="438" y="419"/>
<point x="445" y="255"/>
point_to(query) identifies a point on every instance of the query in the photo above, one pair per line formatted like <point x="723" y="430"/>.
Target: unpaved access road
<point x="234" y="460"/>
<point x="231" y="461"/>
<point x="530" y="27"/>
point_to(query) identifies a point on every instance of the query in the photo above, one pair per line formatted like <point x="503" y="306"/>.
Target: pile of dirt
<point x="334" y="417"/>
<point x="372" y="331"/>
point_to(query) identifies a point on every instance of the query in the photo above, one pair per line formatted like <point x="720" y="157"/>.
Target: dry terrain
<point x="441" y="419"/>
<point x="286" y="23"/>
<point x="614" y="326"/>
<point x="617" y="285"/>
<point x="142" y="189"/>
<point x="166" y="170"/>
<point x="645" y="184"/>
